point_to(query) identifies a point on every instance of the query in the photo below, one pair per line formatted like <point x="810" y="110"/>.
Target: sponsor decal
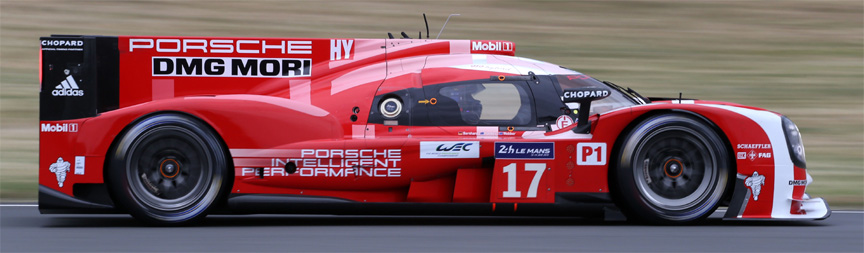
<point x="62" y="45"/>
<point x="222" y="46"/>
<point x="59" y="169"/>
<point x="797" y="182"/>
<point x="341" y="50"/>
<point x="755" y="183"/>
<point x="501" y="46"/>
<point x="492" y="67"/>
<point x="59" y="128"/>
<point x="578" y="77"/>
<point x="574" y="94"/>
<point x="484" y="132"/>
<point x="754" y="146"/>
<point x="753" y="155"/>
<point x="524" y="150"/>
<point x="562" y="122"/>
<point x="449" y="149"/>
<point x="68" y="87"/>
<point x="588" y="153"/>
<point x="79" y="165"/>
<point x="336" y="163"/>
<point x="231" y="67"/>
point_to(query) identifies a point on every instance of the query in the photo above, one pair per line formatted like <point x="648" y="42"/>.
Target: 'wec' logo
<point x="455" y="147"/>
<point x="449" y="149"/>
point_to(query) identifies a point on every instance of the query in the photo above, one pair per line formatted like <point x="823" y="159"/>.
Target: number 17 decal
<point x="511" y="171"/>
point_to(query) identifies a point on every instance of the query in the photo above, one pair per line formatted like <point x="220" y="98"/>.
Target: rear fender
<point x="243" y="121"/>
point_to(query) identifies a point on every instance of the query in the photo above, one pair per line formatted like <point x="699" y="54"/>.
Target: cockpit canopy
<point x="531" y="101"/>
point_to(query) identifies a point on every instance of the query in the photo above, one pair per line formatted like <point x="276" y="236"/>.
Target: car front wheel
<point x="672" y="169"/>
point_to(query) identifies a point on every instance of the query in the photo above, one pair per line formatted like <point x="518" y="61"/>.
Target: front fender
<point x="768" y="184"/>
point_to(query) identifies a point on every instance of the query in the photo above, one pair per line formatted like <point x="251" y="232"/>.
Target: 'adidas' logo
<point x="67" y="88"/>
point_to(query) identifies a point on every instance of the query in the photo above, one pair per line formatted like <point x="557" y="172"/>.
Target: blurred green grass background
<point x="804" y="59"/>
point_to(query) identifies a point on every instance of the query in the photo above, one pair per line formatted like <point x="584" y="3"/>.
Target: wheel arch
<point x="615" y="152"/>
<point x="115" y="142"/>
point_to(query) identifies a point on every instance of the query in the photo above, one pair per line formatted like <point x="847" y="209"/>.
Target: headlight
<point x="794" y="142"/>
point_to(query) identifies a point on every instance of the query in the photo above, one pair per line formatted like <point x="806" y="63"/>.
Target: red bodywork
<point x="299" y="104"/>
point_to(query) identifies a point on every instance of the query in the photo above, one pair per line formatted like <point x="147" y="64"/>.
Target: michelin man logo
<point x="60" y="168"/>
<point x="755" y="183"/>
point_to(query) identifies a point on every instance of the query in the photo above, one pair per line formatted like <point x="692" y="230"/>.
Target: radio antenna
<point x="445" y="25"/>
<point x="427" y="26"/>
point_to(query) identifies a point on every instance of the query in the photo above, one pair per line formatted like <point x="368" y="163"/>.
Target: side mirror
<point x="584" y="96"/>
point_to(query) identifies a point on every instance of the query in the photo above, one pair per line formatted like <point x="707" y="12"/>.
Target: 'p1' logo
<point x="591" y="154"/>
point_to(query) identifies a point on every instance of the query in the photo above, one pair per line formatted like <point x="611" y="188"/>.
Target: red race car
<point x="170" y="129"/>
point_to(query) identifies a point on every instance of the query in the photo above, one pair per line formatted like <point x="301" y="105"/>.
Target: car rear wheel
<point x="168" y="169"/>
<point x="672" y="169"/>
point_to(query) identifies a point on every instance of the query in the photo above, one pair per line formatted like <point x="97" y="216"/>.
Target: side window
<point x="482" y="104"/>
<point x="548" y="102"/>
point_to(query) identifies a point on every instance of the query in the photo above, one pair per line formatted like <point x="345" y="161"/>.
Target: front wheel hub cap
<point x="169" y="167"/>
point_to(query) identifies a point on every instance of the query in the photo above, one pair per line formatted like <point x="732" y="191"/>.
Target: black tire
<point x="168" y="169"/>
<point x="672" y="169"/>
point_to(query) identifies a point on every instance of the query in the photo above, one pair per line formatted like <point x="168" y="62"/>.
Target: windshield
<point x="619" y="97"/>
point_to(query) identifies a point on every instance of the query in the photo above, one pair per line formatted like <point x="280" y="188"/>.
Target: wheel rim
<point x="675" y="169"/>
<point x="169" y="168"/>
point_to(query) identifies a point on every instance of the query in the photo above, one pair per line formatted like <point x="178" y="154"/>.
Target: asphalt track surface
<point x="22" y="228"/>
